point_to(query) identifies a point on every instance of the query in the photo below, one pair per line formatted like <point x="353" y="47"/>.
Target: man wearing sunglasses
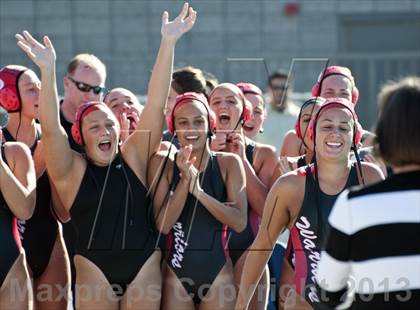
<point x="84" y="81"/>
<point x="280" y="110"/>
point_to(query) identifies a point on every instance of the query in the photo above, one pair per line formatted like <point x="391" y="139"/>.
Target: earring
<point x="261" y="130"/>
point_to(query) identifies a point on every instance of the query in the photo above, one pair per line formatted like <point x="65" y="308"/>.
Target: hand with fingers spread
<point x="173" y="30"/>
<point x="43" y="55"/>
<point x="237" y="144"/>
<point x="219" y="142"/>
<point x="184" y="162"/>
<point x="285" y="166"/>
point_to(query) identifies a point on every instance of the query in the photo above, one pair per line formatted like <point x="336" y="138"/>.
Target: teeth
<point x="192" y="137"/>
<point x="333" y="143"/>
<point x="105" y="141"/>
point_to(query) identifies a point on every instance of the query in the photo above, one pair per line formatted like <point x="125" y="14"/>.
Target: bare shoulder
<point x="265" y="149"/>
<point x="16" y="152"/>
<point x="227" y="159"/>
<point x="290" y="135"/>
<point x="289" y="191"/>
<point x="229" y="164"/>
<point x="159" y="161"/>
<point x="292" y="182"/>
<point x="291" y="144"/>
<point x="16" y="147"/>
<point x="371" y="173"/>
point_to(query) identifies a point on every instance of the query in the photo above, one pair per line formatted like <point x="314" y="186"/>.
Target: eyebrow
<point x="329" y="120"/>
<point x="196" y="116"/>
<point x="227" y="97"/>
<point x="341" y="89"/>
<point x="125" y="98"/>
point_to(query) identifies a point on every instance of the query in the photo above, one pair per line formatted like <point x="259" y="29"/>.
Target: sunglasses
<point x="86" y="87"/>
<point x="279" y="87"/>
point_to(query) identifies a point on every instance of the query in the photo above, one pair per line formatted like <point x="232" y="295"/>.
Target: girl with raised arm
<point x="117" y="263"/>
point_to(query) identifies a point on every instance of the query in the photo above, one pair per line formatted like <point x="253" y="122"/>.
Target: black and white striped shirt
<point x="373" y="246"/>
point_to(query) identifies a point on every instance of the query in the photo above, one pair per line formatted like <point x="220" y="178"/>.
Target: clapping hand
<point x="184" y="162"/>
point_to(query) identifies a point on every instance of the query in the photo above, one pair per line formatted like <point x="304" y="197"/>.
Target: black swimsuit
<point x="124" y="236"/>
<point x="196" y="245"/>
<point x="309" y="231"/>
<point x="38" y="234"/>
<point x="240" y="242"/>
<point x="9" y="236"/>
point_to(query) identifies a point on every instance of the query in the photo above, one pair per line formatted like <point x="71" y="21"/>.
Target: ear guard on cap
<point x="312" y="100"/>
<point x="247" y="111"/>
<point x="246" y="114"/>
<point x="9" y="90"/>
<point x="336" y="70"/>
<point x="84" y="110"/>
<point x="186" y="98"/>
<point x="340" y="102"/>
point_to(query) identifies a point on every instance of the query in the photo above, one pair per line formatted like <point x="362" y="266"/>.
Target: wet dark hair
<point x="211" y="81"/>
<point x="188" y="79"/>
<point x="398" y="127"/>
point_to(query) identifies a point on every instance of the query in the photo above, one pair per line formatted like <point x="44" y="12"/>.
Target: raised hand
<point x="42" y="55"/>
<point x="173" y="30"/>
